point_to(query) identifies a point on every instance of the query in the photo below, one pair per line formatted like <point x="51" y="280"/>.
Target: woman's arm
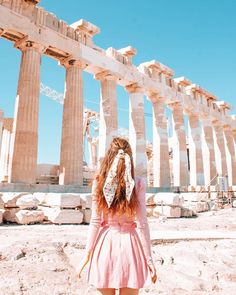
<point x="95" y="222"/>
<point x="142" y="222"/>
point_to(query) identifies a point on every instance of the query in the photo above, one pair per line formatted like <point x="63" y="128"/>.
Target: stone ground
<point x="194" y="256"/>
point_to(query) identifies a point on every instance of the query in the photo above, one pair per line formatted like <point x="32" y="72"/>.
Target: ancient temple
<point x="197" y="158"/>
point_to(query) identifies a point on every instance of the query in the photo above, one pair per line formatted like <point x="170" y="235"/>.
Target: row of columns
<point x="202" y="150"/>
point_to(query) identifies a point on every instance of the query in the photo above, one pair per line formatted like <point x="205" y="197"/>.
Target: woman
<point x="118" y="245"/>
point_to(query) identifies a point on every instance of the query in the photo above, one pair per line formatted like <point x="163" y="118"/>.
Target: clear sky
<point x="197" y="39"/>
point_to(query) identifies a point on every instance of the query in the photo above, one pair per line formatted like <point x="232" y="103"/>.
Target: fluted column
<point x="71" y="161"/>
<point x="108" y="124"/>
<point x="208" y="152"/>
<point x="195" y="151"/>
<point x="219" y="149"/>
<point x="230" y="155"/>
<point x="5" y="149"/>
<point x="23" y="159"/>
<point x="137" y="134"/>
<point x="180" y="160"/>
<point x="161" y="166"/>
<point x="92" y="145"/>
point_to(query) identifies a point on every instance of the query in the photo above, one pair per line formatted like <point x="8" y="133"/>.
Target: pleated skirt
<point x="118" y="260"/>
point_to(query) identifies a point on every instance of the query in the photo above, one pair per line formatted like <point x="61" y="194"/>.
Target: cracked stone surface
<point x="41" y="259"/>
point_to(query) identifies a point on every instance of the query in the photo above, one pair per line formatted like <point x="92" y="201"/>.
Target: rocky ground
<point x="192" y="256"/>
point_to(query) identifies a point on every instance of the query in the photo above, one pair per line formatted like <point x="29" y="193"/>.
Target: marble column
<point x="23" y="159"/>
<point x="108" y="123"/>
<point x="180" y="160"/>
<point x="195" y="151"/>
<point x="92" y="147"/>
<point x="5" y="149"/>
<point x="220" y="154"/>
<point x="137" y="134"/>
<point x="161" y="165"/>
<point x="208" y="152"/>
<point x="230" y="155"/>
<point x="71" y="160"/>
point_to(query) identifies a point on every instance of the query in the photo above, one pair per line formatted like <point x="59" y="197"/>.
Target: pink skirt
<point x="118" y="260"/>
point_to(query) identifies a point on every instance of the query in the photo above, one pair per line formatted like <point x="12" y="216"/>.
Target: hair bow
<point x="110" y="185"/>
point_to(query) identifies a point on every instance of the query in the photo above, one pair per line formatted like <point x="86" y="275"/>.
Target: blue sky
<point x="197" y="39"/>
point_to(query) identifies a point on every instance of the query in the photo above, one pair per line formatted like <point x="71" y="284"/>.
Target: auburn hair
<point x="120" y="205"/>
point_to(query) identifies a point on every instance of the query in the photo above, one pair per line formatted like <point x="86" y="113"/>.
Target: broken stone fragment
<point x="9" y="199"/>
<point x="171" y="199"/>
<point x="62" y="216"/>
<point x="168" y="211"/>
<point x="62" y="200"/>
<point x="27" y="202"/>
<point x="86" y="201"/>
<point x="29" y="216"/>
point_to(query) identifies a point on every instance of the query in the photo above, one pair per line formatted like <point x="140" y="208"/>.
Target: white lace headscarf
<point x="110" y="185"/>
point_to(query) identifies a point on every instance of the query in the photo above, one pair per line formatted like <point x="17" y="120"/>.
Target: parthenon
<point x="211" y="130"/>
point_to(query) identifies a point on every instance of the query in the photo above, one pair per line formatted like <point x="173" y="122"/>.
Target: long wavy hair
<point x="119" y="205"/>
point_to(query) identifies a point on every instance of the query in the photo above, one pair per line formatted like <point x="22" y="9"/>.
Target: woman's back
<point x="118" y="236"/>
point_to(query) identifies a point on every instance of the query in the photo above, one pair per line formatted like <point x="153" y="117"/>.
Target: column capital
<point x="191" y="113"/>
<point x="26" y="44"/>
<point x="175" y="105"/>
<point x="105" y="75"/>
<point x="134" y="88"/>
<point x="71" y="61"/>
<point x="216" y="123"/>
<point x="226" y="125"/>
<point x="155" y="97"/>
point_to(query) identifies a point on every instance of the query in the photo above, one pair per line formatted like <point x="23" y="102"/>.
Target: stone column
<point x="230" y="155"/>
<point x="92" y="147"/>
<point x="108" y="124"/>
<point x="5" y="149"/>
<point x="71" y="160"/>
<point x="23" y="159"/>
<point x="137" y="134"/>
<point x="208" y="152"/>
<point x="161" y="166"/>
<point x="220" y="154"/>
<point x="195" y="151"/>
<point x="180" y="160"/>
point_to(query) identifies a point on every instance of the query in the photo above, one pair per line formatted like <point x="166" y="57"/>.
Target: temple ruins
<point x="201" y="160"/>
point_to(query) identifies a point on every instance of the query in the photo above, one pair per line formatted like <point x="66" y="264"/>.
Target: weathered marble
<point x="71" y="161"/>
<point x="137" y="134"/>
<point x="23" y="157"/>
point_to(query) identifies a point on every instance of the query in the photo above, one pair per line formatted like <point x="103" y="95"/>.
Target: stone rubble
<point x="58" y="208"/>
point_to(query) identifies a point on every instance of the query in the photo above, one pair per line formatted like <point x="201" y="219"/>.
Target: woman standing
<point x="118" y="247"/>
